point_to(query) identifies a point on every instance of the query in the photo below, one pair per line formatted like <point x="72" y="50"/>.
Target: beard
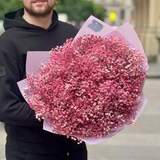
<point x="39" y="11"/>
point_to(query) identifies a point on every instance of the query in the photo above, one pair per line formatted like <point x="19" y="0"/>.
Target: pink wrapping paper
<point x="91" y="26"/>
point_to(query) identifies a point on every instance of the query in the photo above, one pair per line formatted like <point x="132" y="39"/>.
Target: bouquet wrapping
<point x="91" y="87"/>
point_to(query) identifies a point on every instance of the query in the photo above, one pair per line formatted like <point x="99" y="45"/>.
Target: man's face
<point x="39" y="8"/>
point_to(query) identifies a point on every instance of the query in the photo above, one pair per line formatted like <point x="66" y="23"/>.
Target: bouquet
<point x="91" y="87"/>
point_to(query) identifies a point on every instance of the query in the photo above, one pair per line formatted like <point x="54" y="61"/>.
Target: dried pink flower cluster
<point x="90" y="88"/>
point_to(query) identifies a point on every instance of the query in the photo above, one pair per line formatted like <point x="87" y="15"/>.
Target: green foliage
<point x="9" y="5"/>
<point x="79" y="10"/>
<point x="99" y="11"/>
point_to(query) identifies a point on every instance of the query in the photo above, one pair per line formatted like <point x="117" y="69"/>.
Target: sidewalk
<point x="154" y="71"/>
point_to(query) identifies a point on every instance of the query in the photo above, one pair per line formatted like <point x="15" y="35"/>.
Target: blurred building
<point x="117" y="11"/>
<point x="144" y="15"/>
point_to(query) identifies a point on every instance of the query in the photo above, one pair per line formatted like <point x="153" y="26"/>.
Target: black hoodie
<point x="24" y="131"/>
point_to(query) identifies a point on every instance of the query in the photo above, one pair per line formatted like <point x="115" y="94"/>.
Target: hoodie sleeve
<point x="13" y="109"/>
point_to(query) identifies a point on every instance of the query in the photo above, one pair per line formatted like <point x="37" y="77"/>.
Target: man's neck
<point x="43" y="22"/>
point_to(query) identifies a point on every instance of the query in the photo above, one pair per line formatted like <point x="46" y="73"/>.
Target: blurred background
<point x="140" y="141"/>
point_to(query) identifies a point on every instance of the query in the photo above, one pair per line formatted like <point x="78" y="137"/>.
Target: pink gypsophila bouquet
<point x="91" y="86"/>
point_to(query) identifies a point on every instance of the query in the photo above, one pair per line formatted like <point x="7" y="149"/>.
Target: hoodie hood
<point x="14" y="20"/>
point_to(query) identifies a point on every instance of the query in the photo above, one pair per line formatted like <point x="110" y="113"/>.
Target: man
<point x="36" y="27"/>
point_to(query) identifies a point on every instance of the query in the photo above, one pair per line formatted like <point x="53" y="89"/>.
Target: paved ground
<point x="138" y="142"/>
<point x="2" y="141"/>
<point x="154" y="70"/>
